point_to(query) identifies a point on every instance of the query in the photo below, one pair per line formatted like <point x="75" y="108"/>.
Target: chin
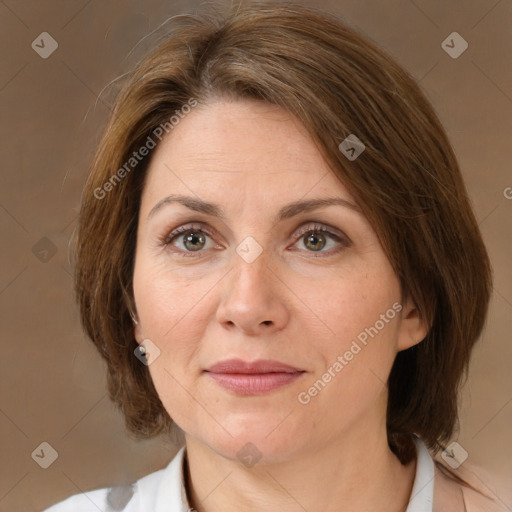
<point x="256" y="441"/>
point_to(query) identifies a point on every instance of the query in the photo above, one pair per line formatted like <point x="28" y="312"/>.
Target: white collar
<point x="422" y="494"/>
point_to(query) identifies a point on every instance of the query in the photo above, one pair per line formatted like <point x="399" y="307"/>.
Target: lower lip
<point x="254" y="384"/>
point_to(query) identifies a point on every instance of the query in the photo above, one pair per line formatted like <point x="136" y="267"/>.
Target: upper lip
<point x="256" y="367"/>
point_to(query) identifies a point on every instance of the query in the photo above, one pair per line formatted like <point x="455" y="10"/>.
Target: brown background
<point x="52" y="111"/>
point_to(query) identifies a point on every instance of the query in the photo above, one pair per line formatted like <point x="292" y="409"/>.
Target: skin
<point x="292" y="304"/>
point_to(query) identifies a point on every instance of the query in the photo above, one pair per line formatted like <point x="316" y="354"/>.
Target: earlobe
<point x="413" y="327"/>
<point x="137" y="330"/>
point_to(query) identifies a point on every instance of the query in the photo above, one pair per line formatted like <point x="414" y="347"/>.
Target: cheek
<point x="355" y="364"/>
<point x="176" y="389"/>
<point x="169" y="312"/>
<point x="351" y="304"/>
<point x="173" y="314"/>
<point x="362" y="313"/>
<point x="166" y="300"/>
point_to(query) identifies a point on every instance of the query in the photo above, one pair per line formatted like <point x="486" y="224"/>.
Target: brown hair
<point x="407" y="182"/>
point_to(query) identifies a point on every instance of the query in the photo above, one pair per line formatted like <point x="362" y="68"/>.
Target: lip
<point x="253" y="378"/>
<point x="259" y="366"/>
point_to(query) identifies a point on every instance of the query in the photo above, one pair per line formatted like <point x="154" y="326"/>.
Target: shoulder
<point x="485" y="494"/>
<point x="84" y="502"/>
<point x="142" y="495"/>
<point x="125" y="498"/>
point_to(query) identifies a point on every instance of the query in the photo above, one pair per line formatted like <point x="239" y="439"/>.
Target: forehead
<point x="243" y="152"/>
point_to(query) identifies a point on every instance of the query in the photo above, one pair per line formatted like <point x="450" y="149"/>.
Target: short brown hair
<point x="407" y="183"/>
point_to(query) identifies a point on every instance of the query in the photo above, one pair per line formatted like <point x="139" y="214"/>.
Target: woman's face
<point x="254" y="277"/>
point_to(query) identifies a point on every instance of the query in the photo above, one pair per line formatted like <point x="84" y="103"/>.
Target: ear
<point x="413" y="328"/>
<point x="137" y="329"/>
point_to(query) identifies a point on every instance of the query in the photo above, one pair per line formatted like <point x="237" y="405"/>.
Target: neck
<point x="358" y="472"/>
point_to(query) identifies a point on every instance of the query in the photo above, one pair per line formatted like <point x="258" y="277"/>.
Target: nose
<point x="253" y="298"/>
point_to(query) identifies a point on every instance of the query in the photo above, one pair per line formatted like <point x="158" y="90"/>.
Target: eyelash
<point x="309" y="228"/>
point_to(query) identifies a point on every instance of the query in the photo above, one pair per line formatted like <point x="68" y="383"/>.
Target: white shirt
<point x="164" y="491"/>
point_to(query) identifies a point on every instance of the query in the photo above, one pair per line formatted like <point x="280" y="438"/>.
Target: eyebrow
<point x="286" y="212"/>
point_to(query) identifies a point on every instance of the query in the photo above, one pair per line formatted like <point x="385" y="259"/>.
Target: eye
<point x="316" y="237"/>
<point x="192" y="238"/>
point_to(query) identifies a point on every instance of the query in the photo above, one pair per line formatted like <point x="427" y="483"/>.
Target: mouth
<point x="253" y="378"/>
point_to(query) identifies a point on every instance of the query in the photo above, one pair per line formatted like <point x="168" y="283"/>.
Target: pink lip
<point x="259" y="366"/>
<point x="254" y="378"/>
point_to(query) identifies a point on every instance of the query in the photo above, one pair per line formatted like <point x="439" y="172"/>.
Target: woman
<point x="276" y="256"/>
